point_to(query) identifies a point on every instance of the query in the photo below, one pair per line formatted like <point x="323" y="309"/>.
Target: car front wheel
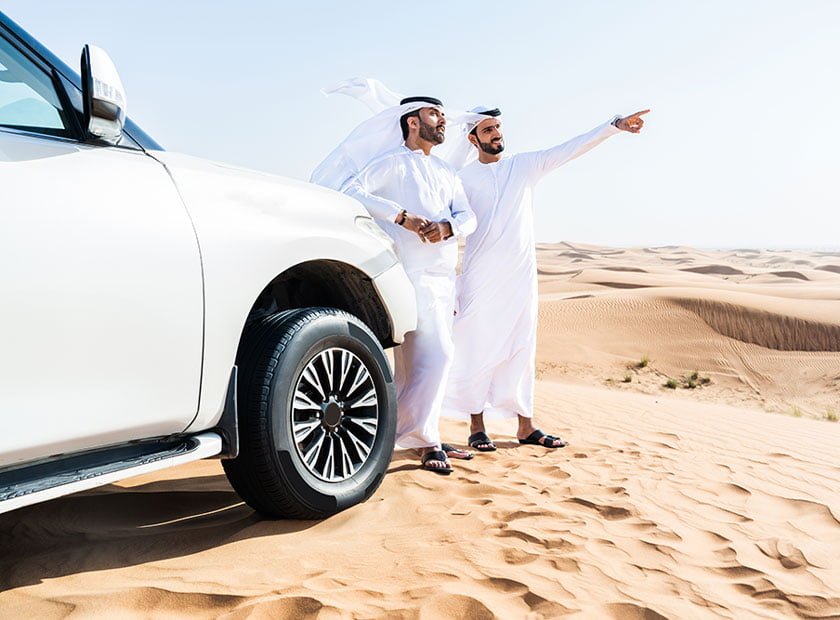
<point x="317" y="414"/>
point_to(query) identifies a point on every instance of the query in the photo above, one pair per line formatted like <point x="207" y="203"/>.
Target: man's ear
<point x="473" y="140"/>
<point x="413" y="122"/>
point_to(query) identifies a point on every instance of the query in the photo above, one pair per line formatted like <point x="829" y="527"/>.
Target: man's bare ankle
<point x="477" y="423"/>
<point x="525" y="429"/>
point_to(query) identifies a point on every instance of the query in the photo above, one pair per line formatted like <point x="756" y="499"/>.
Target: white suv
<point x="158" y="308"/>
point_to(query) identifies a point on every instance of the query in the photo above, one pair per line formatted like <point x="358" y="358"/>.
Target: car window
<point x="28" y="98"/>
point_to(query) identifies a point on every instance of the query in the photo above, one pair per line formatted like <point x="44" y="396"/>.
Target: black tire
<point x="271" y="473"/>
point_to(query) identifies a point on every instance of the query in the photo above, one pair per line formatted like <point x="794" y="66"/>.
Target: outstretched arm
<point x="543" y="162"/>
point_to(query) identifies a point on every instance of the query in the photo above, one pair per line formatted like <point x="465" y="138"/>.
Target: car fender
<point x="252" y="227"/>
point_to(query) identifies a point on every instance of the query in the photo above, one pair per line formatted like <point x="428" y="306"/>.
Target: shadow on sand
<point x="114" y="527"/>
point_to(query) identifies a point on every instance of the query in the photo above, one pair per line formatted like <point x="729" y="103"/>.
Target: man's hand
<point x="415" y="224"/>
<point x="632" y="123"/>
<point x="437" y="231"/>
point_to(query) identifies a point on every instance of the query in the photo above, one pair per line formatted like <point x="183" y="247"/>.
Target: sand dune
<point x="764" y="340"/>
<point x="790" y="274"/>
<point x="765" y="328"/>
<point x="724" y="270"/>
<point x="625" y="269"/>
<point x="699" y="502"/>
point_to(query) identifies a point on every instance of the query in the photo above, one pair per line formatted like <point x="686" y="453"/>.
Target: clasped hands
<point x="427" y="230"/>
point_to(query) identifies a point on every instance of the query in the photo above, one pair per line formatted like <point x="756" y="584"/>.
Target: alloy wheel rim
<point x="335" y="414"/>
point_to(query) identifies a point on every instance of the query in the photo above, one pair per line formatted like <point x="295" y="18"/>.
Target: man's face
<point x="489" y="136"/>
<point x="432" y="125"/>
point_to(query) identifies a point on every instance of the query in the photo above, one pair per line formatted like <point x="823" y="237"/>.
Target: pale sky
<point x="742" y="147"/>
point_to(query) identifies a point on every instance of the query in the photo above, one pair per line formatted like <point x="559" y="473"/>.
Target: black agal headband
<point x="429" y="100"/>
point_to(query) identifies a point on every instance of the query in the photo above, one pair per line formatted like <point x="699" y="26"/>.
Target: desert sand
<point x="717" y="500"/>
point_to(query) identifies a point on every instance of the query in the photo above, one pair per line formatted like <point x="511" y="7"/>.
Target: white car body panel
<point x="252" y="227"/>
<point x="90" y="355"/>
<point x="396" y="290"/>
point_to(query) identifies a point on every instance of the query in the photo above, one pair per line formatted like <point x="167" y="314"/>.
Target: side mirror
<point x="103" y="95"/>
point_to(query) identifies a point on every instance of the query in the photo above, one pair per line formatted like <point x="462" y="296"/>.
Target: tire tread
<point x="254" y="473"/>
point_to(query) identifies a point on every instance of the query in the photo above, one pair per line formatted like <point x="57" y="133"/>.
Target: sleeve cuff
<point x="454" y="227"/>
<point x="395" y="210"/>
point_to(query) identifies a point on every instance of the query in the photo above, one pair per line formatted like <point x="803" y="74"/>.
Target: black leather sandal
<point x="456" y="453"/>
<point x="534" y="439"/>
<point x="436" y="455"/>
<point x="481" y="442"/>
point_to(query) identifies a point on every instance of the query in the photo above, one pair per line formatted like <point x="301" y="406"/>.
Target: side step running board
<point x="71" y="474"/>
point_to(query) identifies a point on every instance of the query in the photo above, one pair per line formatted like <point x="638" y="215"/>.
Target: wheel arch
<point x="328" y="283"/>
<point x="310" y="283"/>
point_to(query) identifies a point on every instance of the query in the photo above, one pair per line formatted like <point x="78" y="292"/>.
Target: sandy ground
<point x="719" y="500"/>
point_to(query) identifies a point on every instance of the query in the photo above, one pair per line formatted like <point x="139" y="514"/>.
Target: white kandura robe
<point x="496" y="326"/>
<point x="426" y="186"/>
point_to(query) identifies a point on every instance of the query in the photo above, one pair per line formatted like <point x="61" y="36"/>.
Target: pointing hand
<point x="632" y="123"/>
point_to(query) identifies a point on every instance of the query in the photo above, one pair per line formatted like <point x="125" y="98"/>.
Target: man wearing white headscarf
<point x="496" y="326"/>
<point x="417" y="199"/>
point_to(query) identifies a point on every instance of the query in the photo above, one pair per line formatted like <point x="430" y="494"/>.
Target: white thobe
<point x="495" y="330"/>
<point x="426" y="186"/>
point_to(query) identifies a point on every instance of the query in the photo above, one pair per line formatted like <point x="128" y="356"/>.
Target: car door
<point x="101" y="302"/>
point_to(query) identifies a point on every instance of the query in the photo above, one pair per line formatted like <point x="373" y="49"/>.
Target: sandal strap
<point x="434" y="455"/>
<point x="536" y="436"/>
<point x="543" y="439"/>
<point x="479" y="437"/>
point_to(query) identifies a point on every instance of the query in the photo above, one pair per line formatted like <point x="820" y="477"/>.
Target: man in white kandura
<point x="418" y="201"/>
<point x="496" y="324"/>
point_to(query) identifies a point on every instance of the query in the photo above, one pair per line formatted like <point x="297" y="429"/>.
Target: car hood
<point x="254" y="189"/>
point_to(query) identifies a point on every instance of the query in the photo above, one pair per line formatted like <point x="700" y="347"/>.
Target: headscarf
<point x="461" y="151"/>
<point x="378" y="135"/>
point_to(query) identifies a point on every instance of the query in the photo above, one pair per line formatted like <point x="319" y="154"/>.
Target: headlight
<point x="370" y="227"/>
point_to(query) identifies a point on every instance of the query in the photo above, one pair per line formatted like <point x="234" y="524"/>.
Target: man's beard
<point x="492" y="148"/>
<point x="431" y="133"/>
